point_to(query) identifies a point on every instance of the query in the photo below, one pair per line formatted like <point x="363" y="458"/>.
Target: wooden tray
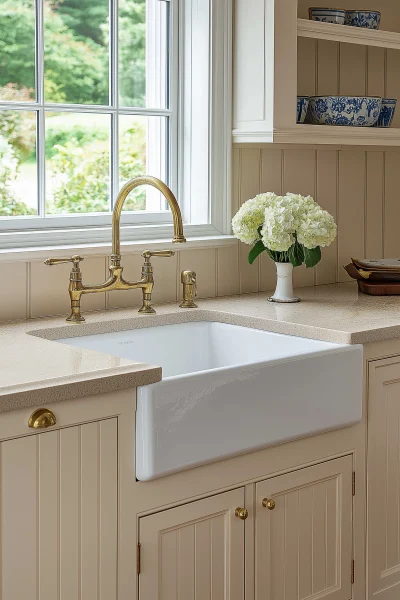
<point x="374" y="288"/>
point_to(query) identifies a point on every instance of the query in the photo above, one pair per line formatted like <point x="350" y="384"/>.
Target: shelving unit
<point x="266" y="76"/>
<point x="348" y="35"/>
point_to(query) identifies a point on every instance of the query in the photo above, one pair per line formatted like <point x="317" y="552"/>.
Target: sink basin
<point x="227" y="390"/>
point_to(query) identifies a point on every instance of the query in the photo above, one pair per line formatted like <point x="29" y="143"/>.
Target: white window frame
<point x="200" y="48"/>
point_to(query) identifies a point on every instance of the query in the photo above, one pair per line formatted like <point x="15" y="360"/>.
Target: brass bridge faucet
<point x="116" y="280"/>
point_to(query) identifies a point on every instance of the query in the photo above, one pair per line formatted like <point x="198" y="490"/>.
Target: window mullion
<point x="114" y="53"/>
<point x="114" y="100"/>
<point x="114" y="157"/>
<point x="173" y="97"/>
<point x="41" y="162"/>
<point x="39" y="52"/>
<point x="40" y="123"/>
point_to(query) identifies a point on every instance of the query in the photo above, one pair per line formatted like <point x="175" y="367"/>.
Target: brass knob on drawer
<point x="42" y="418"/>
<point x="241" y="513"/>
<point x="268" y="503"/>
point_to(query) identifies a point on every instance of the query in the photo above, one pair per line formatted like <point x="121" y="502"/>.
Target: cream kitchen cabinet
<point x="194" y="551"/>
<point x="384" y="480"/>
<point x="304" y="533"/>
<point x="58" y="514"/>
<point x="265" y="70"/>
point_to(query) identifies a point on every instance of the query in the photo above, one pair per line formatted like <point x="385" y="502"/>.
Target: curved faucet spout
<point x="116" y="219"/>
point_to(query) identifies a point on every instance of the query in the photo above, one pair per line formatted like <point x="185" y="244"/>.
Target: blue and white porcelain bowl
<point x="387" y="112"/>
<point x="327" y="15"/>
<point x="369" y="19"/>
<point x="302" y="107"/>
<point x="356" y="111"/>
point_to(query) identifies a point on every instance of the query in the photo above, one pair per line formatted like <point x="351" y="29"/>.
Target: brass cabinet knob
<point x="268" y="503"/>
<point x="241" y="513"/>
<point x="42" y="418"/>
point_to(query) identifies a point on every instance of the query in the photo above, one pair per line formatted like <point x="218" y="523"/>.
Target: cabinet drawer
<point x="70" y="412"/>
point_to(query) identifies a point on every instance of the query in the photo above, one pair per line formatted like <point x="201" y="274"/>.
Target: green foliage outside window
<point x="79" y="184"/>
<point x="9" y="204"/>
<point x="76" y="71"/>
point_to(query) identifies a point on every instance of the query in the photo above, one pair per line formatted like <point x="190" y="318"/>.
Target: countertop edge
<point x="72" y="389"/>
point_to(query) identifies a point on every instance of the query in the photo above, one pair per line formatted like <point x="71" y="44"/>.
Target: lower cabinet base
<point x="303" y="533"/>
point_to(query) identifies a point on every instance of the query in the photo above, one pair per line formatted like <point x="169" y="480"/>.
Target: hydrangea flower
<point x="279" y="226"/>
<point x="291" y="228"/>
<point x="250" y="217"/>
<point x="317" y="228"/>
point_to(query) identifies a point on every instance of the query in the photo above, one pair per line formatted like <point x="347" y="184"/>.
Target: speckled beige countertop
<point x="35" y="369"/>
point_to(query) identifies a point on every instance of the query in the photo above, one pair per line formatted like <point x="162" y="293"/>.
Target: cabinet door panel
<point x="58" y="514"/>
<point x="194" y="552"/>
<point x="384" y="481"/>
<point x="304" y="545"/>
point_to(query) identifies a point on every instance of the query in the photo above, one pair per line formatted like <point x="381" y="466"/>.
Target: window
<point x="89" y="95"/>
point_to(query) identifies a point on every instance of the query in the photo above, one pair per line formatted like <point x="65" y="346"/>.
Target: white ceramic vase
<point x="284" y="284"/>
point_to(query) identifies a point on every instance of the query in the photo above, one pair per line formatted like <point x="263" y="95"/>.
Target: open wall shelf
<point x="348" y="35"/>
<point x="337" y="135"/>
<point x="274" y="62"/>
<point x="322" y="134"/>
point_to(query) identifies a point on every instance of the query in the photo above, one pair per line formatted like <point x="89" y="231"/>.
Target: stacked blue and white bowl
<point x="387" y="112"/>
<point x="357" y="111"/>
<point x="368" y="19"/>
<point x="354" y="111"/>
<point x="328" y="15"/>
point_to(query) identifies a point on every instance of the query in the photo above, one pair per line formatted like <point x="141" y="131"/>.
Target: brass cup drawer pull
<point x="42" y="418"/>
<point x="268" y="503"/>
<point x="241" y="513"/>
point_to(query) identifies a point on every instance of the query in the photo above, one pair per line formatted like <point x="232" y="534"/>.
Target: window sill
<point x="104" y="249"/>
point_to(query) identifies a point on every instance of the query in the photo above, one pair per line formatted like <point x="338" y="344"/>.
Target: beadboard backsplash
<point x="359" y="187"/>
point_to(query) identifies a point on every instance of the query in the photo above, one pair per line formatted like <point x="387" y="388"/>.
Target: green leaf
<point x="273" y="255"/>
<point x="312" y="257"/>
<point x="257" y="249"/>
<point x="296" y="254"/>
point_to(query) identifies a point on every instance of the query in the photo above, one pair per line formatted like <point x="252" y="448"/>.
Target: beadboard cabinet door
<point x="194" y="552"/>
<point x="384" y="480"/>
<point x="304" y="542"/>
<point x="58" y="514"/>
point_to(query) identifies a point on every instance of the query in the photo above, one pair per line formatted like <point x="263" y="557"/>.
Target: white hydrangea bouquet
<point x="291" y="229"/>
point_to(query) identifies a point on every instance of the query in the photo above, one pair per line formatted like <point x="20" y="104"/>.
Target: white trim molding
<point x="205" y="116"/>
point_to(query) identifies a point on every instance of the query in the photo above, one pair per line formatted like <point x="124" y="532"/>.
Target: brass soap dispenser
<point x="188" y="279"/>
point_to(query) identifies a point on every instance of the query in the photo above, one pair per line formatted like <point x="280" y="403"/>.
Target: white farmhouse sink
<point x="228" y="390"/>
